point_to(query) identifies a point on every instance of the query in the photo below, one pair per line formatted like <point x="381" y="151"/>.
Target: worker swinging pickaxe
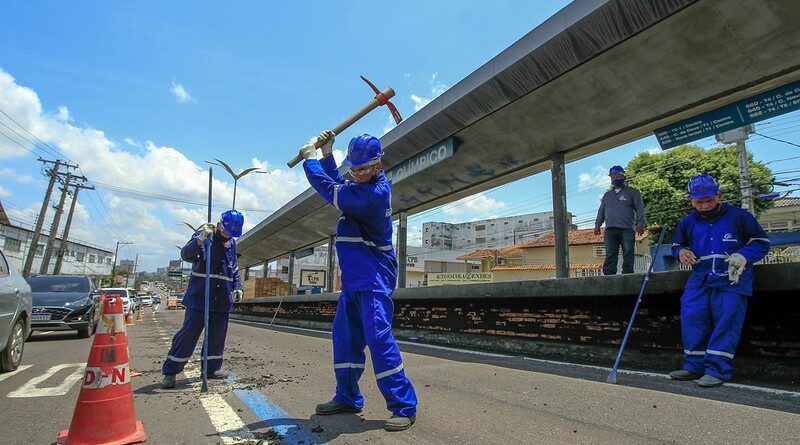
<point x="381" y="98"/>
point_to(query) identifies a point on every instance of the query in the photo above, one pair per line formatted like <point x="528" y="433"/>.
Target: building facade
<point x="80" y="258"/>
<point x="488" y="233"/>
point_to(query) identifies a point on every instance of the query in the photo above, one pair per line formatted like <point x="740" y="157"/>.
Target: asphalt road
<point x="465" y="397"/>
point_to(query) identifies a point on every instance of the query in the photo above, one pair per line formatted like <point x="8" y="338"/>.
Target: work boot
<point x="684" y="375"/>
<point x="326" y="409"/>
<point x="709" y="381"/>
<point x="218" y="375"/>
<point x="168" y="382"/>
<point x="399" y="423"/>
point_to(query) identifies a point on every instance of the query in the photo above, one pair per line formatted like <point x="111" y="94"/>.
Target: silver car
<point x="15" y="315"/>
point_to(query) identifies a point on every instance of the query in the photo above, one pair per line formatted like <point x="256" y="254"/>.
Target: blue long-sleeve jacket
<point x="713" y="241"/>
<point x="364" y="232"/>
<point x="224" y="274"/>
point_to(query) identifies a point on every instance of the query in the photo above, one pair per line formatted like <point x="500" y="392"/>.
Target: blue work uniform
<point x="713" y="309"/>
<point x="224" y="279"/>
<point x="369" y="275"/>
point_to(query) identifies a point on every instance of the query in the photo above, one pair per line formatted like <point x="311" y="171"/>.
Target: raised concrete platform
<point x="579" y="320"/>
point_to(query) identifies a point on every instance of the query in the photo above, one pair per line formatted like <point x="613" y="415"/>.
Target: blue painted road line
<point x="274" y="417"/>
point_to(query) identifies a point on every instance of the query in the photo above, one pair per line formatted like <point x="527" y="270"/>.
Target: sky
<point x="141" y="94"/>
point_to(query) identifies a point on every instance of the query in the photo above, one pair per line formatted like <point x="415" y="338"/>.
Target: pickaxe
<point x="381" y="98"/>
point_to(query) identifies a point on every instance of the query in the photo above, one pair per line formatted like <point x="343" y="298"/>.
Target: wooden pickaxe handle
<point x="373" y="104"/>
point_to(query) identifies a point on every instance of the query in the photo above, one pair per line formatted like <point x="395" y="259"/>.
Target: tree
<point x="662" y="179"/>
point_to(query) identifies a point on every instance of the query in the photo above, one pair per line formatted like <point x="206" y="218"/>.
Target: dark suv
<point x="64" y="302"/>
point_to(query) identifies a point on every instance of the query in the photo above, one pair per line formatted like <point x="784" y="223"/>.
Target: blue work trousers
<point x="614" y="238"/>
<point x="364" y="319"/>
<point x="711" y="324"/>
<point x="185" y="340"/>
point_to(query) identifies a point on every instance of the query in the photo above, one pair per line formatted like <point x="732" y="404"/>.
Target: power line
<point x="56" y="152"/>
<point x="776" y="139"/>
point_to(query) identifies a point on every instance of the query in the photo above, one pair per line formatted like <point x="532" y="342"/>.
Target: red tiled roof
<point x="510" y="252"/>
<point x="478" y="255"/>
<point x="787" y="202"/>
<point x="549" y="267"/>
<point x="576" y="238"/>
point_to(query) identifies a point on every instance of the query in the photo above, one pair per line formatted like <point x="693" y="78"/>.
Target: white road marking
<point x="232" y="430"/>
<point x="31" y="388"/>
<point x="9" y="374"/>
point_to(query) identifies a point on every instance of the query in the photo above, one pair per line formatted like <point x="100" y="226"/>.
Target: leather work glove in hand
<point x="308" y="151"/>
<point x="327" y="137"/>
<point x="205" y="231"/>
<point x="237" y="295"/>
<point x="736" y="264"/>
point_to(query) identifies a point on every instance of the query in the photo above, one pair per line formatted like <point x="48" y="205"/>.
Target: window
<point x="588" y="272"/>
<point x="91" y="258"/>
<point x="536" y="219"/>
<point x="39" y="250"/>
<point x="108" y="260"/>
<point x="12" y="245"/>
<point x="284" y="269"/>
<point x="480" y="227"/>
<point x="505" y="223"/>
<point x="480" y="240"/>
<point x="426" y="229"/>
<point x="492" y="225"/>
<point x="599" y="251"/>
<point x="3" y="268"/>
<point x="79" y="256"/>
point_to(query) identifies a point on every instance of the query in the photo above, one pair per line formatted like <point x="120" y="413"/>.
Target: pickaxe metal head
<point x="384" y="101"/>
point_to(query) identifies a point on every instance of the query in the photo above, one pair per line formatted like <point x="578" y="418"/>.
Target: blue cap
<point x="363" y="150"/>
<point x="616" y="169"/>
<point x="702" y="186"/>
<point x="232" y="221"/>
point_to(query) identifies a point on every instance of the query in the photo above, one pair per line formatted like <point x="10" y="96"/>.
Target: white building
<point x="488" y="233"/>
<point x="80" y="257"/>
<point x="421" y="261"/>
<point x="316" y="261"/>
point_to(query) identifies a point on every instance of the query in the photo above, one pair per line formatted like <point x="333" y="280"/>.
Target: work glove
<point x="327" y="137"/>
<point x="205" y="231"/>
<point x="309" y="151"/>
<point x="237" y="295"/>
<point x="736" y="264"/>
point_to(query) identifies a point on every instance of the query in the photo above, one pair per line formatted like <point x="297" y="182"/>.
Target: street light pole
<point x="236" y="177"/>
<point x="114" y="265"/>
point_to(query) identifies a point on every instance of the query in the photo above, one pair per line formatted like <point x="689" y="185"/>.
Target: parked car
<point x="136" y="304"/>
<point x="15" y="315"/>
<point x="127" y="297"/>
<point x="65" y="302"/>
<point x="147" y="300"/>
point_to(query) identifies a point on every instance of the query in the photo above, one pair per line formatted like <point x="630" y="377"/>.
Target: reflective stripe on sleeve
<point x="688" y="352"/>
<point x="178" y="359"/>
<point x="358" y="239"/>
<point x="713" y="255"/>
<point x="336" y="196"/>
<point x="765" y="240"/>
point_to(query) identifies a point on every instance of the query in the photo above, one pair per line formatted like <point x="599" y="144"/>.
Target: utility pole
<point x="114" y="266"/>
<point x="51" y="239"/>
<point x="135" y="270"/>
<point x="37" y="232"/>
<point x="62" y="248"/>
<point x="738" y="136"/>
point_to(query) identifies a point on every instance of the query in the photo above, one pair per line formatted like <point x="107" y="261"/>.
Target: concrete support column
<point x="291" y="273"/>
<point x="265" y="269"/>
<point x="246" y="273"/>
<point x="331" y="263"/>
<point x="402" y="248"/>
<point x="561" y="226"/>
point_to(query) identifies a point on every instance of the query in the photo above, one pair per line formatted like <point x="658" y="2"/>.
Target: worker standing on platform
<point x="622" y="210"/>
<point x="225" y="289"/>
<point x="721" y="242"/>
<point x="369" y="273"/>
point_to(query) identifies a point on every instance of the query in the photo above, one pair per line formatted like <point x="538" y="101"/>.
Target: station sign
<point x="429" y="157"/>
<point x="757" y="108"/>
<point x="304" y="253"/>
<point x="312" y="278"/>
<point x="445" y="278"/>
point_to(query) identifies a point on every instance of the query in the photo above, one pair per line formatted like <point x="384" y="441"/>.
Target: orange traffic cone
<point x="104" y="413"/>
<point x="129" y="319"/>
<point x="140" y="315"/>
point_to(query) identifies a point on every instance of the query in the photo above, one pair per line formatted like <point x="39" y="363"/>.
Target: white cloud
<point x="132" y="142"/>
<point x="389" y="125"/>
<point x="436" y="89"/>
<point x="479" y="203"/>
<point x="6" y="172"/>
<point x="154" y="225"/>
<point x="4" y="193"/>
<point x="598" y="177"/>
<point x="23" y="105"/>
<point x="181" y="94"/>
<point x="63" y="114"/>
